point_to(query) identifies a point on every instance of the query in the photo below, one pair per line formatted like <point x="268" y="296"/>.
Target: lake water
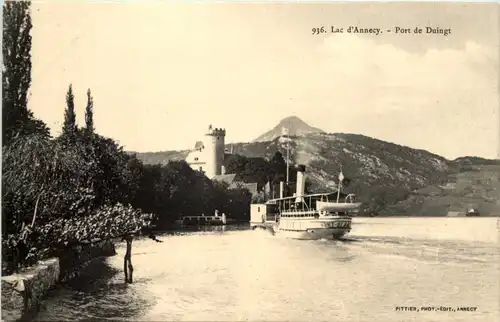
<point x="239" y="274"/>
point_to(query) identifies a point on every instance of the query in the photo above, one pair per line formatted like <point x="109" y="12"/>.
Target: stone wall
<point x="22" y="292"/>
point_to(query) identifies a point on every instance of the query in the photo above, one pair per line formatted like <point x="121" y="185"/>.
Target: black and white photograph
<point x="250" y="161"/>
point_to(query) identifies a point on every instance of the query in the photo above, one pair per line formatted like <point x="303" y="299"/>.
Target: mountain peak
<point x="292" y="120"/>
<point x="294" y="125"/>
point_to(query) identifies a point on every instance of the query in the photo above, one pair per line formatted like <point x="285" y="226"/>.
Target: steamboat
<point x="306" y="216"/>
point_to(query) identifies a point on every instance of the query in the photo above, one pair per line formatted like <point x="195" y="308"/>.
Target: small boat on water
<point x="311" y="216"/>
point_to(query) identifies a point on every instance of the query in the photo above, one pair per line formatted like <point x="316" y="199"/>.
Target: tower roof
<point x="214" y="131"/>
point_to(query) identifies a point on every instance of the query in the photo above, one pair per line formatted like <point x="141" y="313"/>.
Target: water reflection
<point x="100" y="291"/>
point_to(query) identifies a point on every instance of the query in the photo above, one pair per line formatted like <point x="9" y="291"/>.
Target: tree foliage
<point x="261" y="171"/>
<point x="89" y="113"/>
<point x="278" y="168"/>
<point x="69" y="126"/>
<point x="17" y="119"/>
<point x="257" y="169"/>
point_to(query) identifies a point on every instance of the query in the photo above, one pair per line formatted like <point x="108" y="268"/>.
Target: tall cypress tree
<point x="16" y="76"/>
<point x="69" y="127"/>
<point x="89" y="113"/>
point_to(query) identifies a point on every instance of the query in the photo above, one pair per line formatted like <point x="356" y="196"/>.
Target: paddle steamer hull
<point x="313" y="234"/>
<point x="308" y="229"/>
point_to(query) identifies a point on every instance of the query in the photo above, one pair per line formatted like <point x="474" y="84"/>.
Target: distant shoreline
<point x="410" y="216"/>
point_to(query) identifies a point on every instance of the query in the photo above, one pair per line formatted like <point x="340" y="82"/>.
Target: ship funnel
<point x="301" y="183"/>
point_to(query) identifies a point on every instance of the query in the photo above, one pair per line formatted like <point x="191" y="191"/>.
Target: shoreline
<point x="25" y="290"/>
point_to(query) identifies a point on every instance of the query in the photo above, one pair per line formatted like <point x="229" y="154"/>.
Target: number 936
<point x="317" y="31"/>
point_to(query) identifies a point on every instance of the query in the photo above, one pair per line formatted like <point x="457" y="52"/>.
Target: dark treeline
<point x="262" y="171"/>
<point x="81" y="187"/>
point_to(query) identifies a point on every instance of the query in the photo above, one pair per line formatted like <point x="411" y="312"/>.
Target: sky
<point x="161" y="72"/>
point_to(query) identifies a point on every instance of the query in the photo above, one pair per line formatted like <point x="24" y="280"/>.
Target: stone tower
<point x="214" y="151"/>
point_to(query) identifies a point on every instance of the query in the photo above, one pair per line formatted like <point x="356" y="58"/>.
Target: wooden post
<point x="128" y="269"/>
<point x="127" y="260"/>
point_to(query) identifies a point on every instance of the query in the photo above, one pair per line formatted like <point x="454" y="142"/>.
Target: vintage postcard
<point x="250" y="161"/>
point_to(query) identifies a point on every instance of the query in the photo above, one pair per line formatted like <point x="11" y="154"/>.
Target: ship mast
<point x="287" y="156"/>
<point x="287" y="162"/>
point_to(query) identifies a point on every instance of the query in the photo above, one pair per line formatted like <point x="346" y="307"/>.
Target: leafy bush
<point x="35" y="170"/>
<point x="108" y="222"/>
<point x="55" y="179"/>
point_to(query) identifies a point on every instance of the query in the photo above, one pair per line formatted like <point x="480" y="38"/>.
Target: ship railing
<point x="300" y="213"/>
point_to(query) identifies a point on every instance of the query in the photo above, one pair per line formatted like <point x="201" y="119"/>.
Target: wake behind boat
<point x="311" y="216"/>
